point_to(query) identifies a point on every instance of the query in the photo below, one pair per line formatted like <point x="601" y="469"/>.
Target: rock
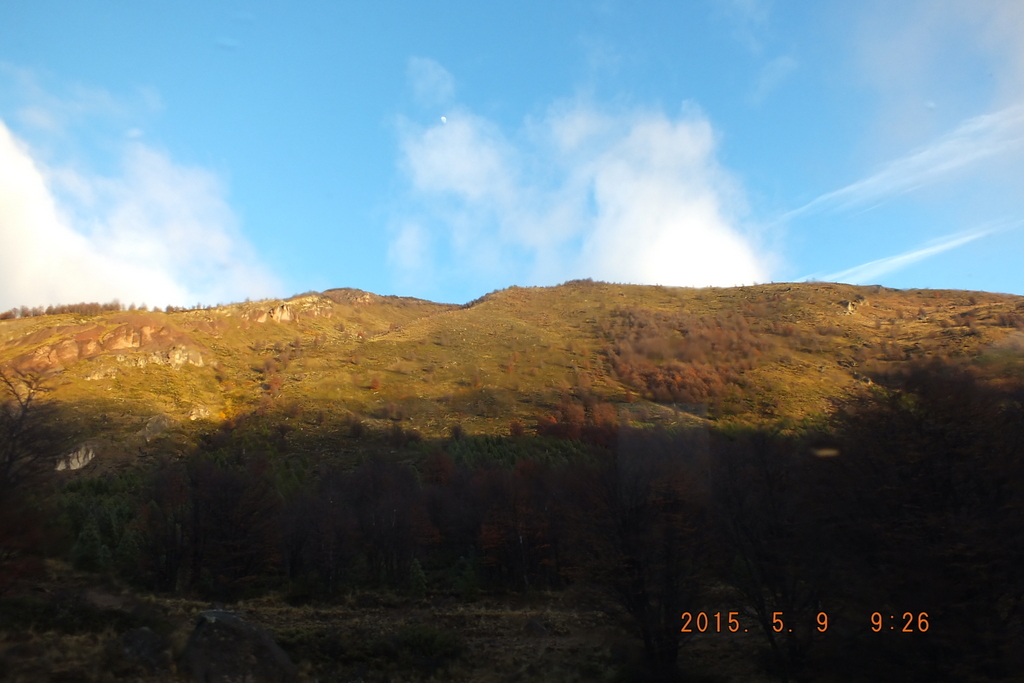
<point x="101" y="373"/>
<point x="199" y="413"/>
<point x="124" y="337"/>
<point x="67" y="352"/>
<point x="281" y="314"/>
<point x="88" y="348"/>
<point x="157" y="425"/>
<point x="180" y="355"/>
<point x="77" y="459"/>
<point x="103" y="600"/>
<point x="224" y="648"/>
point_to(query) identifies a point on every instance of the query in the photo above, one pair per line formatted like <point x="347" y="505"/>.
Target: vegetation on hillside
<point x="745" y="457"/>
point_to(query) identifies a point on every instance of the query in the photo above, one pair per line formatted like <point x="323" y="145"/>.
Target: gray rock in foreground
<point x="225" y="648"/>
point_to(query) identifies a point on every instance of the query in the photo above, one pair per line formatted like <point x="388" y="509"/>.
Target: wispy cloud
<point x="628" y="196"/>
<point x="154" y="231"/>
<point x="977" y="139"/>
<point x="870" y="272"/>
<point x="431" y="83"/>
<point x="772" y="75"/>
<point x="749" y="19"/>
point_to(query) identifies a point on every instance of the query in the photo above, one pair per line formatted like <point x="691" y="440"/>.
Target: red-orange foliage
<point x="682" y="357"/>
<point x="597" y="424"/>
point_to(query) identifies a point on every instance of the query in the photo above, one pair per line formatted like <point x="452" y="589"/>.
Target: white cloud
<point x="431" y="83"/>
<point x="157" y="233"/>
<point x="871" y="271"/>
<point x="975" y="140"/>
<point x="634" y="196"/>
<point x="662" y="210"/>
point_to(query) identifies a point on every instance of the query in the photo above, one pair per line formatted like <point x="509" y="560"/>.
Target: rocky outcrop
<point x="78" y="458"/>
<point x="155" y="426"/>
<point x="82" y="342"/>
<point x="184" y="355"/>
<point x="100" y="373"/>
<point x="850" y="307"/>
<point x="225" y="648"/>
<point x="349" y="296"/>
<point x="279" y="314"/>
<point x="199" y="413"/>
<point x="176" y="357"/>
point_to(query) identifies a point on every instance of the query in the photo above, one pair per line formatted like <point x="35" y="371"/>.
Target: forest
<point x="882" y="544"/>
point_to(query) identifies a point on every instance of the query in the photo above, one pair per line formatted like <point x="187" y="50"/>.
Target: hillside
<point x="533" y="486"/>
<point x="131" y="380"/>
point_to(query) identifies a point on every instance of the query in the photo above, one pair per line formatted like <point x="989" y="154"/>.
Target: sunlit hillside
<point x="580" y="352"/>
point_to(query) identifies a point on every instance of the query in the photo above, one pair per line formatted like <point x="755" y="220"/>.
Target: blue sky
<point x="210" y="152"/>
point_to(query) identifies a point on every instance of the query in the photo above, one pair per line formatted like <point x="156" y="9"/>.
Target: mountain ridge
<point x="526" y="355"/>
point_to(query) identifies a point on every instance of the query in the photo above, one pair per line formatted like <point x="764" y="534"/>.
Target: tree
<point x="234" y="523"/>
<point x="31" y="440"/>
<point x="775" y="518"/>
<point x="515" y="535"/>
<point x="163" y="527"/>
<point x="387" y="504"/>
<point x="639" y="519"/>
<point x="933" y="460"/>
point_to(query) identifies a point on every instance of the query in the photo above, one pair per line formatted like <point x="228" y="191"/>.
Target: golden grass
<point x="530" y="346"/>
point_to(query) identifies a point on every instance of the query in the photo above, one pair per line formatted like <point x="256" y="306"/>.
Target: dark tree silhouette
<point x="639" y="538"/>
<point x="934" y="461"/>
<point x="775" y="517"/>
<point x="31" y="441"/>
<point x="163" y="524"/>
<point x="234" y="525"/>
<point x="388" y="507"/>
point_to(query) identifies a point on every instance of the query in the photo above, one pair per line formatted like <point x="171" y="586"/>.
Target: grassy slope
<point x="511" y="355"/>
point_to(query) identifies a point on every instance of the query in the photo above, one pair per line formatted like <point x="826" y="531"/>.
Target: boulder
<point x="224" y="648"/>
<point x="78" y="458"/>
<point x="199" y="413"/>
<point x="181" y="355"/>
<point x="282" y="314"/>
<point x="155" y="426"/>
